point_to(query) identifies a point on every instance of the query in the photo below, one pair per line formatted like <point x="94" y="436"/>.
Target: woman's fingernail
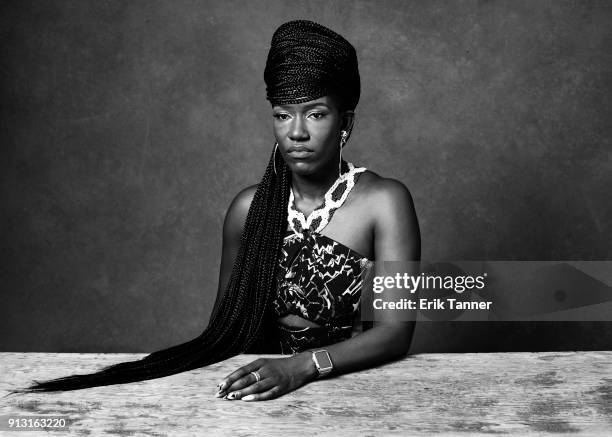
<point x="221" y="386"/>
<point x="248" y="398"/>
<point x="233" y="395"/>
<point x="219" y="394"/>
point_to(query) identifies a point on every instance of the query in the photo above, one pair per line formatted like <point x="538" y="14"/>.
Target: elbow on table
<point x="399" y="343"/>
<point x="400" y="350"/>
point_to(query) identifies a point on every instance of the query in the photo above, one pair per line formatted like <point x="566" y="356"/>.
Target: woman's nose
<point x="298" y="130"/>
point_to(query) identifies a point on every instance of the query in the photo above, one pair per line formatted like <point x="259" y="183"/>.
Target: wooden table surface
<point x="452" y="394"/>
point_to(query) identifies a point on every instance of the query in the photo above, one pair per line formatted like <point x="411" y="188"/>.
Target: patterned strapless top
<point x="319" y="279"/>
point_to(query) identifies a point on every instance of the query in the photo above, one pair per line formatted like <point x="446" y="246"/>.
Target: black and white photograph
<point x="323" y="218"/>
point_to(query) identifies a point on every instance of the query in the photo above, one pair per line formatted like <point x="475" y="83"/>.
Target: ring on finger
<point x="256" y="375"/>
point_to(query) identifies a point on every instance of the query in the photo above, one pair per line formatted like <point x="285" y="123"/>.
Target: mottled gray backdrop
<point x="127" y="128"/>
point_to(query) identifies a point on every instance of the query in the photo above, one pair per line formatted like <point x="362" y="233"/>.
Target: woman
<point x="296" y="245"/>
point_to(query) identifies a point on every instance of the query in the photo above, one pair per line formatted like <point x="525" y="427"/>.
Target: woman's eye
<point x="280" y="116"/>
<point x="317" y="115"/>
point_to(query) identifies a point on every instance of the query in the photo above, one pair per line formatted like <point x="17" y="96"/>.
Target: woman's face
<point x="308" y="134"/>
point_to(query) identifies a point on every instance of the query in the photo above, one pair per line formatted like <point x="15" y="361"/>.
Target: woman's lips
<point x="300" y="154"/>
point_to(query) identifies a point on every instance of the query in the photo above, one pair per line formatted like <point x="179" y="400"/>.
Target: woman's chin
<point x="303" y="167"/>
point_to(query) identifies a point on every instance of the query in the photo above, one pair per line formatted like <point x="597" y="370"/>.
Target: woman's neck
<point x="312" y="188"/>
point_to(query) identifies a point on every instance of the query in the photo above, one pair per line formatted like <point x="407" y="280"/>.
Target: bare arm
<point x="396" y="238"/>
<point x="233" y="226"/>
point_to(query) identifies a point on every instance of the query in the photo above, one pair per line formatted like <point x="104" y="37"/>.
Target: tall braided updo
<point x="306" y="61"/>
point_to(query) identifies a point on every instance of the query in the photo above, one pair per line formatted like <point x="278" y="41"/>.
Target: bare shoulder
<point x="385" y="195"/>
<point x="238" y="209"/>
<point x="393" y="217"/>
<point x="242" y="201"/>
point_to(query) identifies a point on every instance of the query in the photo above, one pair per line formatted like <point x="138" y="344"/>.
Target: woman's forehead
<point x="325" y="101"/>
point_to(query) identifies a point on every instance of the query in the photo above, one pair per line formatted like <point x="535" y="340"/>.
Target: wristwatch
<point x="322" y="362"/>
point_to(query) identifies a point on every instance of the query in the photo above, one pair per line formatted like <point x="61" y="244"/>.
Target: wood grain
<point x="452" y="394"/>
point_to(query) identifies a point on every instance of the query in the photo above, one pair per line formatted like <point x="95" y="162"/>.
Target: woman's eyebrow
<point x="313" y="105"/>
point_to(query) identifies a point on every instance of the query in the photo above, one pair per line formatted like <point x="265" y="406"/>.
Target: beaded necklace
<point x="333" y="199"/>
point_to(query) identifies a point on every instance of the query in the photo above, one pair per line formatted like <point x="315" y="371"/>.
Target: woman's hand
<point x="278" y="376"/>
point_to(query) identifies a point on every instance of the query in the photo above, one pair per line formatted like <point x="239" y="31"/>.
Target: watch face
<point x="323" y="359"/>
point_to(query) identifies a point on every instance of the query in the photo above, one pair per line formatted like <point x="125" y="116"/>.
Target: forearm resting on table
<point x="378" y="345"/>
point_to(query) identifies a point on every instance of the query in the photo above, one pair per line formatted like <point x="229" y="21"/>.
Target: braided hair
<point x="239" y="322"/>
<point x="306" y="61"/>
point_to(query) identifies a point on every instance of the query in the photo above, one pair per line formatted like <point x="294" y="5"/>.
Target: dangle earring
<point x="274" y="157"/>
<point x="343" y="140"/>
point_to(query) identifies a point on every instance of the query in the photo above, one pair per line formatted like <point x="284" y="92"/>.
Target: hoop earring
<point x="343" y="140"/>
<point x="274" y="157"/>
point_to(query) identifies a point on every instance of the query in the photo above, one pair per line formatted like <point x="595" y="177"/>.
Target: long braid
<point x="238" y="322"/>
